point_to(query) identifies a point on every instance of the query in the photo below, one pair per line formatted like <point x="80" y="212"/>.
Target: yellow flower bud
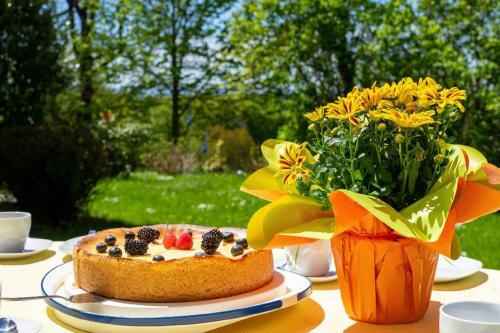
<point x="439" y="158"/>
<point x="420" y="154"/>
<point x="440" y="143"/>
<point x="399" y="138"/>
<point x="381" y="127"/>
<point x="311" y="127"/>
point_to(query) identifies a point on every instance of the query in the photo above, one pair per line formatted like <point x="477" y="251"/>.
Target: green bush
<point x="236" y="147"/>
<point x="165" y="157"/>
<point x="123" y="143"/>
<point x="50" y="169"/>
<point x="226" y="149"/>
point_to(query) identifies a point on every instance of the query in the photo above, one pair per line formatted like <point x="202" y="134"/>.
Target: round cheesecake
<point x="183" y="275"/>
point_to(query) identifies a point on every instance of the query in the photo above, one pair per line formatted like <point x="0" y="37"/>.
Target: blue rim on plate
<point x="168" y="321"/>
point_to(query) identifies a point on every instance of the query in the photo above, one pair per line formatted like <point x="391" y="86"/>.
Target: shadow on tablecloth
<point x="55" y="320"/>
<point x="299" y="318"/>
<point x="472" y="281"/>
<point x="428" y="324"/>
<point x="31" y="259"/>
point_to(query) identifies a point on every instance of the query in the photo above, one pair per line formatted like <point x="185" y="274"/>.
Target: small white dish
<point x="450" y="270"/>
<point x="174" y="317"/>
<point x="312" y="259"/>
<point x="67" y="246"/>
<point x="33" y="246"/>
<point x="470" y="317"/>
<point x="280" y="262"/>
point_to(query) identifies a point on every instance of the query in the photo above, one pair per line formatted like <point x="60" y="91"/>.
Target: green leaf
<point x="358" y="175"/>
<point x="412" y="175"/>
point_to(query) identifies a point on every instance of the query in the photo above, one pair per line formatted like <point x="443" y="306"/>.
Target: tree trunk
<point x="175" y="111"/>
<point x="83" y="55"/>
<point x="86" y="86"/>
<point x="175" y="81"/>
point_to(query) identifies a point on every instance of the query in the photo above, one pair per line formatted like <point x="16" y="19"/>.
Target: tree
<point x="82" y="44"/>
<point x="174" y="49"/>
<point x="455" y="42"/>
<point x="30" y="72"/>
<point x="95" y="30"/>
<point x="309" y="52"/>
<point x="301" y="50"/>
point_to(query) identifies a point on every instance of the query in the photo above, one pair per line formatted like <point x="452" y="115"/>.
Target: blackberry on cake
<point x="136" y="247"/>
<point x="215" y="234"/>
<point x="210" y="241"/>
<point x="148" y="234"/>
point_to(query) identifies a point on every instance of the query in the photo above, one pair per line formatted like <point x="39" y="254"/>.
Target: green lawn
<point x="215" y="200"/>
<point x="149" y="198"/>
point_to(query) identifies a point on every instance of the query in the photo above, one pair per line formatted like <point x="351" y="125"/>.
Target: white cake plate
<point x="285" y="290"/>
<point x="67" y="246"/>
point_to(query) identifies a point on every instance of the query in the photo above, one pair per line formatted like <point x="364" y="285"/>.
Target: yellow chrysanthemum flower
<point x="427" y="92"/>
<point x="403" y="98"/>
<point x="400" y="93"/>
<point x="451" y="97"/>
<point x="376" y="115"/>
<point x="427" y="82"/>
<point x="317" y="115"/>
<point x="371" y="97"/>
<point x="408" y="120"/>
<point x="346" y="108"/>
<point x="291" y="162"/>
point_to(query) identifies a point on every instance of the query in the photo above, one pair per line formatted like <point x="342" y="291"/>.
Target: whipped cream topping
<point x="157" y="248"/>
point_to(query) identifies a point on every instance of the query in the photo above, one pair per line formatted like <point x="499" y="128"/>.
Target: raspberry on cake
<point x="184" y="242"/>
<point x="169" y="240"/>
<point x="199" y="266"/>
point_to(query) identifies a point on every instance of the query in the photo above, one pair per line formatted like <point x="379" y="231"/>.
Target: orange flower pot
<point x="384" y="279"/>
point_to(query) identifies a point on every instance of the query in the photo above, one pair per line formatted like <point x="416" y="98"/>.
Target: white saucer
<point x="451" y="270"/>
<point x="330" y="276"/>
<point x="174" y="317"/>
<point x="67" y="246"/>
<point x="27" y="325"/>
<point x="32" y="247"/>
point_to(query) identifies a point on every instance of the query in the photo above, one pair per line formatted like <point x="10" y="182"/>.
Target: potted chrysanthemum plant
<point x="380" y="178"/>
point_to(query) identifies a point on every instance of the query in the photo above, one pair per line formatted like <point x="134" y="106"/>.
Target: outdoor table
<point x="322" y="312"/>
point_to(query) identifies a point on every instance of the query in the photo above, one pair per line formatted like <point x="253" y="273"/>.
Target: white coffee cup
<point x="470" y="317"/>
<point x="14" y="230"/>
<point x="313" y="259"/>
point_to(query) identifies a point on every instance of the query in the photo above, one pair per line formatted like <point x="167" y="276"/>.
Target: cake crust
<point x="177" y="279"/>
